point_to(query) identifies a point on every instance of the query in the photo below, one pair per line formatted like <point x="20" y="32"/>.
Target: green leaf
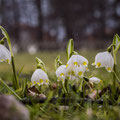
<point x="48" y="99"/>
<point x="41" y="64"/>
<point x="9" y="89"/>
<point x="2" y="40"/>
<point x="70" y="48"/>
<point x="57" y="62"/>
<point x="24" y="86"/>
<point x="20" y="71"/>
<point x="116" y="42"/>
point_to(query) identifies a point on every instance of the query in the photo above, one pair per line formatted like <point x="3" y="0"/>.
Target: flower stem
<point x="117" y="77"/>
<point x="15" y="80"/>
<point x="66" y="85"/>
<point x="80" y="86"/>
<point x="64" y="88"/>
<point x="114" y="73"/>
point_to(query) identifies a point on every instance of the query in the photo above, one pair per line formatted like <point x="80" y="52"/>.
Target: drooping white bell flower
<point x="104" y="59"/>
<point x="77" y="60"/>
<point x="79" y="71"/>
<point x="77" y="65"/>
<point x="61" y="73"/>
<point x="95" y="80"/>
<point x="39" y="77"/>
<point x="5" y="55"/>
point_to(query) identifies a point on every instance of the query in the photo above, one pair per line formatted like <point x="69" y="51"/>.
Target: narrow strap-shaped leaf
<point x="70" y="48"/>
<point x="24" y="86"/>
<point x="116" y="42"/>
<point x="20" y="71"/>
<point x="10" y="90"/>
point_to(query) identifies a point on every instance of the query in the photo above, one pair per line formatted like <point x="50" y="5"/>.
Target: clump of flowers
<point x="74" y="70"/>
<point x="77" y="65"/>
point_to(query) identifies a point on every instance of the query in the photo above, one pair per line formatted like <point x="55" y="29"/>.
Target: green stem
<point x="50" y="86"/>
<point x="114" y="73"/>
<point x="116" y="76"/>
<point x="64" y="88"/>
<point x="80" y="86"/>
<point x="15" y="80"/>
<point x="66" y="85"/>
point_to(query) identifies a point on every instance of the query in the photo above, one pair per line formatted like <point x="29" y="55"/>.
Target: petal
<point x="98" y="64"/>
<point x="104" y="59"/>
<point x="80" y="60"/>
<point x="4" y="54"/>
<point x="94" y="80"/>
<point x="61" y="71"/>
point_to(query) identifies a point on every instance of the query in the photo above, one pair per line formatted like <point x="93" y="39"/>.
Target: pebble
<point x="12" y="109"/>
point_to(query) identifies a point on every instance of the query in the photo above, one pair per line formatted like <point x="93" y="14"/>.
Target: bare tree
<point x="16" y="18"/>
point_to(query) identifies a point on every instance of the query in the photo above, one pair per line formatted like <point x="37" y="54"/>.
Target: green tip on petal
<point x="38" y="66"/>
<point x="93" y="63"/>
<point x="2" y="40"/>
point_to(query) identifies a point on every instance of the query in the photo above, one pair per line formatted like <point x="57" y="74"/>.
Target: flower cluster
<point x="77" y="65"/>
<point x="74" y="69"/>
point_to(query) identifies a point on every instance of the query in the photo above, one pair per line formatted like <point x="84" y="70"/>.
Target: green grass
<point x="52" y="111"/>
<point x="28" y="63"/>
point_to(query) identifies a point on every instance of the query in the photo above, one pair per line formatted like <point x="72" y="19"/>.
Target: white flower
<point x="77" y="65"/>
<point x="104" y="59"/>
<point x="77" y="60"/>
<point x="39" y="77"/>
<point x="5" y="55"/>
<point x="95" y="80"/>
<point x="61" y="73"/>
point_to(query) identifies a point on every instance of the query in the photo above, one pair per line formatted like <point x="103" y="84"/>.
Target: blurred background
<point x="35" y="25"/>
